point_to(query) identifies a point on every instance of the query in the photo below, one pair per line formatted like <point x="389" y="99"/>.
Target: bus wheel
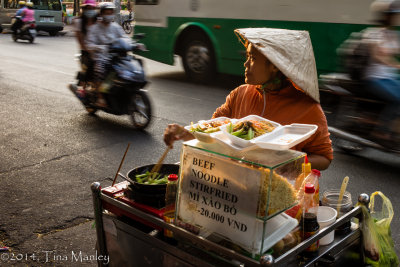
<point x="198" y="58"/>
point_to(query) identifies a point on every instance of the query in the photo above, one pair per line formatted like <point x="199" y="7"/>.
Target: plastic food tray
<point x="282" y="137"/>
<point x="287" y="136"/>
<point x="245" y="143"/>
<point x="188" y="127"/>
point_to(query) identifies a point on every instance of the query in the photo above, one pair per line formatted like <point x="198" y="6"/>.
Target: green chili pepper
<point x="238" y="132"/>
<point x="250" y="134"/>
<point x="141" y="175"/>
<point x="229" y="127"/>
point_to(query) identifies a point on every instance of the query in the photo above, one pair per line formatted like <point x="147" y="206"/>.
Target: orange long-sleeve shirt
<point x="286" y="106"/>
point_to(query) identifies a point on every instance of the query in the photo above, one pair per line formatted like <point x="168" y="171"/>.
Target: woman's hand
<point x="175" y="132"/>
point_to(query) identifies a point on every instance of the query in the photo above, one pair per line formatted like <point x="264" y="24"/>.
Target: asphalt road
<point x="52" y="150"/>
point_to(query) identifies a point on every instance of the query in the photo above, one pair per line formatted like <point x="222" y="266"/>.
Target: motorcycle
<point x="123" y="88"/>
<point x="126" y="24"/>
<point x="355" y="114"/>
<point x="26" y="32"/>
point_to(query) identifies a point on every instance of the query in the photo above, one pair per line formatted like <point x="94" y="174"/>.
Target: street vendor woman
<point x="281" y="86"/>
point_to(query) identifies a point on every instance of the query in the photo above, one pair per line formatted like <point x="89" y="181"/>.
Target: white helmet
<point x="107" y="5"/>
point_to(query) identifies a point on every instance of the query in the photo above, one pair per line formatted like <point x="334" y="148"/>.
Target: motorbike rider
<point x="99" y="37"/>
<point x="280" y="86"/>
<point x="21" y="6"/>
<point x="28" y="14"/>
<point x="18" y="20"/>
<point x="381" y="73"/>
<point x="82" y="23"/>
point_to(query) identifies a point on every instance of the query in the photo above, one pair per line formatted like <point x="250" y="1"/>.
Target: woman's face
<point x="258" y="69"/>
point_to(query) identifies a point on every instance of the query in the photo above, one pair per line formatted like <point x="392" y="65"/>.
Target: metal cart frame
<point x="194" y="253"/>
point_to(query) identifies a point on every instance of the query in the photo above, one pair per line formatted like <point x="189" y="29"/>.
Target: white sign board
<point x="220" y="195"/>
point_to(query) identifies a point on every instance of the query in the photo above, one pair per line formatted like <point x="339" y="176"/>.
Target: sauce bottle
<point x="313" y="178"/>
<point x="296" y="211"/>
<point x="170" y="198"/>
<point x="309" y="219"/>
<point x="306" y="170"/>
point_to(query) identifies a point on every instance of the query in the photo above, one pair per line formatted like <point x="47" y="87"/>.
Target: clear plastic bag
<point x="378" y="243"/>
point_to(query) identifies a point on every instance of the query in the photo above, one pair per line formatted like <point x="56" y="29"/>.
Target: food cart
<point x="226" y="214"/>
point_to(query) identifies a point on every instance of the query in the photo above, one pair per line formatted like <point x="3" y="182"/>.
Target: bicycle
<point x="126" y="24"/>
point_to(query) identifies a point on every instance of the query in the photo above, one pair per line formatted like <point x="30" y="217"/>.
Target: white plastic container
<point x="245" y="143"/>
<point x="282" y="137"/>
<point x="287" y="136"/>
<point x="325" y="217"/>
<point x="188" y="127"/>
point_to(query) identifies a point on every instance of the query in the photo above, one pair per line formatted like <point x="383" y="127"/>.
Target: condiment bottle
<point x="296" y="211"/>
<point x="313" y="178"/>
<point x="170" y="198"/>
<point x="309" y="219"/>
<point x="306" y="170"/>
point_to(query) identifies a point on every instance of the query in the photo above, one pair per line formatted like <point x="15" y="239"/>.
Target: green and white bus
<point x="201" y="31"/>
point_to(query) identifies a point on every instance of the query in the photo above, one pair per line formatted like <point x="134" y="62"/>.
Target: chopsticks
<point x="157" y="167"/>
<point x="120" y="165"/>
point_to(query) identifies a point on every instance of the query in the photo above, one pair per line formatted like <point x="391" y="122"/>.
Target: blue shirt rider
<point x="18" y="21"/>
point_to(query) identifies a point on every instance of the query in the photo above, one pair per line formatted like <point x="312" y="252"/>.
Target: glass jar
<point x="330" y="198"/>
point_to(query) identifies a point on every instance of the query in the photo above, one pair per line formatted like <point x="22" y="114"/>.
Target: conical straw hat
<point x="290" y="51"/>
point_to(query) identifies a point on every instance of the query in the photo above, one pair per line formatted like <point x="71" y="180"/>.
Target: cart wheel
<point x="140" y="110"/>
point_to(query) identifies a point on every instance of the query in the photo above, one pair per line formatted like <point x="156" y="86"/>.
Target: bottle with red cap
<point x="309" y="219"/>
<point x="170" y="198"/>
<point x="313" y="178"/>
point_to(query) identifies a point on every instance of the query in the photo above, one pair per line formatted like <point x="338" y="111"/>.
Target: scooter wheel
<point x="140" y="110"/>
<point x="14" y="37"/>
<point x="31" y="40"/>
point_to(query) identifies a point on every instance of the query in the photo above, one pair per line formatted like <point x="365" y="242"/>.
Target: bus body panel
<point x="163" y="24"/>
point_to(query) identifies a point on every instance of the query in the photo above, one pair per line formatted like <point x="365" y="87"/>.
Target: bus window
<point x="146" y="2"/>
